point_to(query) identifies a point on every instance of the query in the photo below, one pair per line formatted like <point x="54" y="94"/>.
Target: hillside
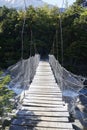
<point x="19" y="4"/>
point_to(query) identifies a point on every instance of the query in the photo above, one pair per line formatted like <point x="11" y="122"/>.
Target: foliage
<point x="79" y="2"/>
<point x="5" y="95"/>
<point x="42" y="29"/>
<point x="74" y="23"/>
<point x="39" y="30"/>
<point x="1" y="72"/>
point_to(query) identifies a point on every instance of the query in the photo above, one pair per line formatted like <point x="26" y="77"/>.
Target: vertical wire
<point x="31" y="42"/>
<point x="22" y="37"/>
<point x="22" y="33"/>
<point x="35" y="48"/>
<point x="57" y="42"/>
<point x="53" y="46"/>
<point x="61" y="37"/>
<point x="61" y="33"/>
<point x="22" y="46"/>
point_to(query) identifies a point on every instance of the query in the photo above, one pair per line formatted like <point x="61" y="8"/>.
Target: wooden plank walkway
<point x="42" y="107"/>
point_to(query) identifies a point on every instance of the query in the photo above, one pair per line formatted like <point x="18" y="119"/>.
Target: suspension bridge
<point x="41" y="105"/>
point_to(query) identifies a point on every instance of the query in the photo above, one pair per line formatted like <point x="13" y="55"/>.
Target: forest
<point x="46" y="31"/>
<point x="42" y="34"/>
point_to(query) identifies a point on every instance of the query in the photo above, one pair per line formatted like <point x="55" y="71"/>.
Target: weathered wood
<point x="47" y="92"/>
<point x="44" y="77"/>
<point x="38" y="113"/>
<point x="23" y="122"/>
<point x="46" y="86"/>
<point x="42" y="107"/>
<point x="43" y="74"/>
<point x="42" y="101"/>
<point x="48" y="82"/>
<point x="44" y="98"/>
<point x="59" y="109"/>
<point x="48" y="95"/>
<point x="46" y="89"/>
<point x="44" y="95"/>
<point x="44" y="118"/>
<point x="15" y="127"/>
<point x="44" y="83"/>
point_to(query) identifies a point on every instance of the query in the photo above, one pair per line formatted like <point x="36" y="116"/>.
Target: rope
<point x="61" y="33"/>
<point x="68" y="82"/>
<point x="22" y="33"/>
<point x="31" y="43"/>
<point x="53" y="46"/>
<point x="22" y="46"/>
<point x="57" y="42"/>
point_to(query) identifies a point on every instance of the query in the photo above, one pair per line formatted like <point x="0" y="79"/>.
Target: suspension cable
<point x="22" y="33"/>
<point x="53" y="45"/>
<point x="61" y="33"/>
<point x="31" y="42"/>
<point x="22" y="44"/>
<point x="57" y="42"/>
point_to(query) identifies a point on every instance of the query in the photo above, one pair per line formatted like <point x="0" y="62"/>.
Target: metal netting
<point x="23" y="72"/>
<point x="65" y="79"/>
<point x="69" y="83"/>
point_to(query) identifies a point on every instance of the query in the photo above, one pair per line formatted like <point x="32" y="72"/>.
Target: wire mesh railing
<point x="23" y="72"/>
<point x="71" y="86"/>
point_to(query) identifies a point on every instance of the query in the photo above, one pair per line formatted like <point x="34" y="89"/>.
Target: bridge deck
<point x="42" y="107"/>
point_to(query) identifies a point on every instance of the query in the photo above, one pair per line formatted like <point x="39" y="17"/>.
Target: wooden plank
<point x="47" y="128"/>
<point x="48" y="124"/>
<point x="45" y="95"/>
<point x="44" y="73"/>
<point x="31" y="90"/>
<point x="44" y="80"/>
<point x="42" y="107"/>
<point x="37" y="113"/>
<point x="44" y="118"/>
<point x="43" y="92"/>
<point x="51" y="85"/>
<point x="64" y="109"/>
<point x="44" y="89"/>
<point x="44" y="67"/>
<point x="44" y="98"/>
<point x="44" y="77"/>
<point x="42" y="101"/>
<point x="44" y="70"/>
<point x="42" y="104"/>
<point x="47" y="85"/>
<point x="44" y="84"/>
<point x="15" y="127"/>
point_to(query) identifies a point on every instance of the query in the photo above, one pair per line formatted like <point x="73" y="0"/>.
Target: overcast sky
<point x="59" y="2"/>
